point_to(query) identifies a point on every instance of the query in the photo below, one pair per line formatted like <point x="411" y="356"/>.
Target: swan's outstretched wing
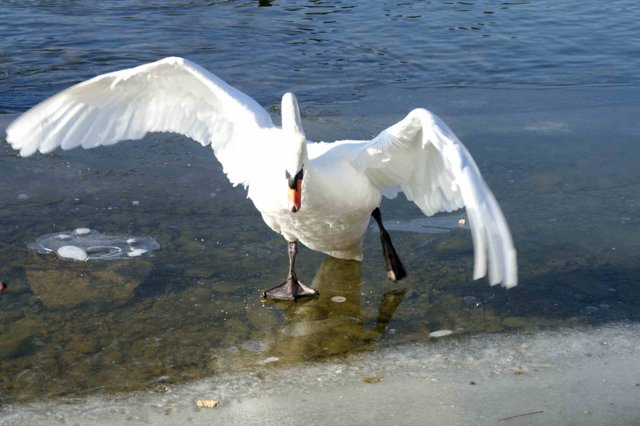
<point x="423" y="158"/>
<point x="170" y="95"/>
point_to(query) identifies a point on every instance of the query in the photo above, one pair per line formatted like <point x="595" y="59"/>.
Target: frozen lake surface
<point x="585" y="376"/>
<point x="544" y="95"/>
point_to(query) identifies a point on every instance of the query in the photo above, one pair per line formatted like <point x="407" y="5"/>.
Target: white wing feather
<point x="423" y="158"/>
<point x="419" y="156"/>
<point x="170" y="95"/>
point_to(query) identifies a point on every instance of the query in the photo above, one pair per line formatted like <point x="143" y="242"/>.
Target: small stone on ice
<point x="338" y="299"/>
<point x="440" y="333"/>
<point x="207" y="403"/>
<point x="72" y="252"/>
<point x="372" y="379"/>
<point x="82" y="231"/>
<point x="269" y="360"/>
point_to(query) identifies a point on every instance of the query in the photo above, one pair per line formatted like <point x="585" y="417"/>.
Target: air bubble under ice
<point x="85" y="244"/>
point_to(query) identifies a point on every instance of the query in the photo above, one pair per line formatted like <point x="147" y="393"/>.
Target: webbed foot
<point x="291" y="289"/>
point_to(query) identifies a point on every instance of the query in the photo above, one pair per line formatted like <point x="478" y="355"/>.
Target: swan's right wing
<point x="170" y="95"/>
<point x="424" y="159"/>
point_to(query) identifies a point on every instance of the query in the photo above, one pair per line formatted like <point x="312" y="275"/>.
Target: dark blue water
<point x="545" y="94"/>
<point x="324" y="50"/>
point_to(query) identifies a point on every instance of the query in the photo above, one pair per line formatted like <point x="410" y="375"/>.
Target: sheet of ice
<point x="587" y="376"/>
<point x="429" y="225"/>
<point x="85" y="244"/>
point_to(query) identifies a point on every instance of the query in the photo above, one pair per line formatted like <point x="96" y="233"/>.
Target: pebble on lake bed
<point x="339" y="299"/>
<point x="207" y="403"/>
<point x="440" y="333"/>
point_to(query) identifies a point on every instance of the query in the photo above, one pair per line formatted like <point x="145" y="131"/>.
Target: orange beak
<point x="295" y="189"/>
<point x="295" y="196"/>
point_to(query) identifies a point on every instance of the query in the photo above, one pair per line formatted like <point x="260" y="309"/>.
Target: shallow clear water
<point x="544" y="94"/>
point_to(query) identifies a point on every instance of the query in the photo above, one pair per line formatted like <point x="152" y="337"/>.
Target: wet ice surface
<point x="142" y="339"/>
<point x="193" y="312"/>
<point x="581" y="375"/>
<point x="429" y="225"/>
<point x="86" y="244"/>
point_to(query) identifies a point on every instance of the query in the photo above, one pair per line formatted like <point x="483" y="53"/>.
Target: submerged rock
<point x="63" y="284"/>
<point x="14" y="340"/>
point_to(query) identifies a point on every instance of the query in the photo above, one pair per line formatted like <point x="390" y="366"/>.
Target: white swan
<point x="321" y="194"/>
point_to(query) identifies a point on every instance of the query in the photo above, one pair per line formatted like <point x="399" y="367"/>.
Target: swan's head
<point x="296" y="151"/>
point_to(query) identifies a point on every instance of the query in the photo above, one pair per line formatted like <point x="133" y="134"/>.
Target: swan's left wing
<point x="423" y="158"/>
<point x="170" y="95"/>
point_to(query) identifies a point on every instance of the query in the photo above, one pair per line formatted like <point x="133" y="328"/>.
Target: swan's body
<point x="333" y="187"/>
<point x="337" y="202"/>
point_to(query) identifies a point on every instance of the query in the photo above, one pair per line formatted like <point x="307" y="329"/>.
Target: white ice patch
<point x="440" y="333"/>
<point x="584" y="374"/>
<point x="269" y="360"/>
<point x="137" y="252"/>
<point x="547" y="127"/>
<point x="82" y="231"/>
<point x="72" y="252"/>
<point x="87" y="244"/>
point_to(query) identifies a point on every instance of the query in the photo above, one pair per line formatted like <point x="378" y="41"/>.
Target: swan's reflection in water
<point x="334" y="322"/>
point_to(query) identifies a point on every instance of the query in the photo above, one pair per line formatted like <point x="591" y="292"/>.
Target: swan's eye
<point x="293" y="181"/>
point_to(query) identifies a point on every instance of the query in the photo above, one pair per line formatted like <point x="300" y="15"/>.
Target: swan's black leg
<point x="395" y="270"/>
<point x="291" y="289"/>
